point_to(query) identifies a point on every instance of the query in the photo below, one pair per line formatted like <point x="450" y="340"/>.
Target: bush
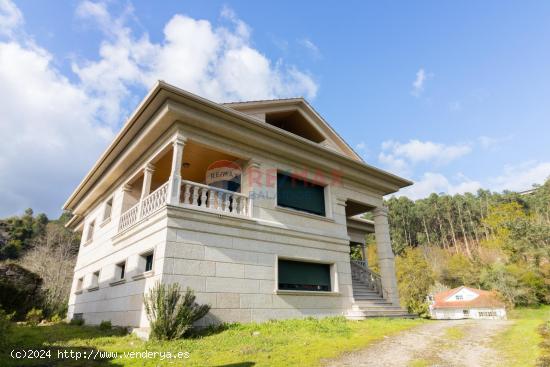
<point x="105" y="325"/>
<point x="77" y="322"/>
<point x="20" y="290"/>
<point x="415" y="278"/>
<point x="34" y="316"/>
<point x="170" y="314"/>
<point x="56" y="319"/>
<point x="5" y="326"/>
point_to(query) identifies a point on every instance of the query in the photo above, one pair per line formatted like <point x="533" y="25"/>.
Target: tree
<point x="415" y="278"/>
<point x="52" y="258"/>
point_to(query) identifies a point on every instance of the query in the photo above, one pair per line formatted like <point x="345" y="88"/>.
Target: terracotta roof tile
<point x="484" y="299"/>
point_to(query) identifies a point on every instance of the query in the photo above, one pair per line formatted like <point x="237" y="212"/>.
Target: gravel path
<point x="455" y="343"/>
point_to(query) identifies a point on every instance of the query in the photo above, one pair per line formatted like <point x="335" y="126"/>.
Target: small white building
<point x="466" y="303"/>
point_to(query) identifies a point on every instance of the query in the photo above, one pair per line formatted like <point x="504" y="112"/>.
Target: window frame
<point x="79" y="285"/>
<point x="120" y="275"/>
<point x="94" y="281"/>
<point x="333" y="273"/>
<point x="106" y="205"/>
<point x="142" y="262"/>
<point x="90" y="231"/>
<point x="326" y="196"/>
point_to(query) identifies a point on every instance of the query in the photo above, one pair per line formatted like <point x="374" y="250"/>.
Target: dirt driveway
<point x="438" y="343"/>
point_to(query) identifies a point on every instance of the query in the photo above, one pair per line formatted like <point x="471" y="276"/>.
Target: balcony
<point x="193" y="195"/>
<point x="148" y="190"/>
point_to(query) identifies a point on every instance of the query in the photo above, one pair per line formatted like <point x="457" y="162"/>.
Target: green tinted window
<point x="295" y="193"/>
<point x="298" y="275"/>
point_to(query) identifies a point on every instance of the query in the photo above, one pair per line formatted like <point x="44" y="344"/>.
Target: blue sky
<point x="453" y="95"/>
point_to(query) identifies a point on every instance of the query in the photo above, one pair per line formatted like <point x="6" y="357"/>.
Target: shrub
<point x="415" y="278"/>
<point x="77" y="322"/>
<point x="105" y="325"/>
<point x="5" y="326"/>
<point x="20" y="290"/>
<point x="170" y="314"/>
<point x="56" y="319"/>
<point x="34" y="316"/>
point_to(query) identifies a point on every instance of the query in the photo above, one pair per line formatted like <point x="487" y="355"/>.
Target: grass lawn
<point x="520" y="342"/>
<point x="276" y="343"/>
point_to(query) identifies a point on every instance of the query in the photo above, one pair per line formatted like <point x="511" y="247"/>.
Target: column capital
<point x="179" y="140"/>
<point x="253" y="164"/>
<point x="127" y="187"/>
<point x="380" y="211"/>
<point x="149" y="167"/>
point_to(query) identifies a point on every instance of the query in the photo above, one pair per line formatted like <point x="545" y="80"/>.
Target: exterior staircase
<point x="368" y="295"/>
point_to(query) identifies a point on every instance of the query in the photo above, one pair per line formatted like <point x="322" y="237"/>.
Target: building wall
<point x="229" y="262"/>
<point x="473" y="313"/>
<point x="232" y="265"/>
<point x="120" y="302"/>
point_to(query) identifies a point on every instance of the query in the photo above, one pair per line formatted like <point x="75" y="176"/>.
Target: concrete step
<point x="357" y="313"/>
<point x="367" y="296"/>
<point x="367" y="303"/>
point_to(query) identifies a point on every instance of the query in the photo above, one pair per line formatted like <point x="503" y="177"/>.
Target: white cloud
<point x="362" y="149"/>
<point x="10" y="17"/>
<point x="48" y="131"/>
<point x="400" y="157"/>
<point x="522" y="176"/>
<point x="438" y="183"/>
<point x="217" y="62"/>
<point x="55" y="128"/>
<point x="310" y="46"/>
<point x="419" y="82"/>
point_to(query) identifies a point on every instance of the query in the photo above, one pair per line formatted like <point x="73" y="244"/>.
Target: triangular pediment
<point x="296" y="116"/>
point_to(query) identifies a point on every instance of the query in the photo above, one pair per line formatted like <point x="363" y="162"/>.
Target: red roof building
<point x="465" y="302"/>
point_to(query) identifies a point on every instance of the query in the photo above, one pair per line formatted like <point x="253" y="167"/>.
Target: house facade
<point x="466" y="303"/>
<point x="253" y="205"/>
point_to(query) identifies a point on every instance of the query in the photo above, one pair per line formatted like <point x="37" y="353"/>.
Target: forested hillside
<point x="497" y="241"/>
<point x="488" y="240"/>
<point x="36" y="262"/>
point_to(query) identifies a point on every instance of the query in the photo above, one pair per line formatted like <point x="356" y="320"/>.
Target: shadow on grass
<point x="198" y="333"/>
<point x="40" y="338"/>
<point x="238" y="364"/>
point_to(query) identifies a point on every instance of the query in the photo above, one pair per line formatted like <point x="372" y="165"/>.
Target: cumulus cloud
<point x="214" y="61"/>
<point x="10" y="17"/>
<point x="522" y="176"/>
<point x="431" y="182"/>
<point x="48" y="129"/>
<point x="54" y="127"/>
<point x="401" y="157"/>
<point x="419" y="82"/>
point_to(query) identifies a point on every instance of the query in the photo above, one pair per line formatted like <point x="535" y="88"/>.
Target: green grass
<point x="519" y="344"/>
<point x="277" y="343"/>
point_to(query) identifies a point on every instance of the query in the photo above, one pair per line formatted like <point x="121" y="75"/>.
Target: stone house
<point x="253" y="205"/>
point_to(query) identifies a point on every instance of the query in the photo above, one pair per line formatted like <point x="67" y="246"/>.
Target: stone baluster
<point x="195" y="195"/>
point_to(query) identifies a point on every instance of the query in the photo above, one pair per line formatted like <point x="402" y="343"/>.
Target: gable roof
<point x="307" y="111"/>
<point x="484" y="299"/>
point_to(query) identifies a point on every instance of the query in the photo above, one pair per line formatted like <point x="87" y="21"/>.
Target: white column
<point x="124" y="205"/>
<point x="147" y="178"/>
<point x="174" y="182"/>
<point x="386" y="259"/>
